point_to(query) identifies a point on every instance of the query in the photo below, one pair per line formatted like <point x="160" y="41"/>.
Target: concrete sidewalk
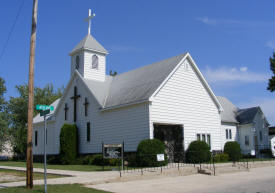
<point x="78" y="177"/>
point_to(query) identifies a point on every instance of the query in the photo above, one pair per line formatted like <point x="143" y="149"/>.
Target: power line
<point x="12" y="28"/>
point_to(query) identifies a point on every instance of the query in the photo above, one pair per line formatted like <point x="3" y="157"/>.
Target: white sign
<point x="160" y="157"/>
<point x="253" y="152"/>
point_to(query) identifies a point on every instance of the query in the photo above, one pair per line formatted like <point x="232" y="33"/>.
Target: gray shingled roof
<point x="90" y="43"/>
<point x="228" y="114"/>
<point x="139" y="84"/>
<point x="245" y="116"/>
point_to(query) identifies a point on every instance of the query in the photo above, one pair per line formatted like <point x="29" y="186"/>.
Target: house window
<point x="261" y="136"/>
<point x="246" y="140"/>
<point x="198" y="137"/>
<point x="88" y="132"/>
<point x="203" y="137"/>
<point x="228" y="134"/>
<point x="35" y="138"/>
<point x="95" y="62"/>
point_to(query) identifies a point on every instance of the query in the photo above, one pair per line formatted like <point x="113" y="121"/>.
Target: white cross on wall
<point x="88" y="19"/>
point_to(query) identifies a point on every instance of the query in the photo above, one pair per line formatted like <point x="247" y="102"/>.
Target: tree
<point x="271" y="83"/>
<point x="233" y="149"/>
<point x="3" y="115"/>
<point x="18" y="109"/>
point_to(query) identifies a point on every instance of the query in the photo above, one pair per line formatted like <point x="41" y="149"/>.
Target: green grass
<point x="59" y="167"/>
<point x="22" y="175"/>
<point x="72" y="188"/>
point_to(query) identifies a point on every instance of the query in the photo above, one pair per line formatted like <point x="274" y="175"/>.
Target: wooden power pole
<point x="31" y="98"/>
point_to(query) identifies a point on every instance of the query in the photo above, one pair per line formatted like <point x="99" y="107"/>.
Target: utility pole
<point x="29" y="182"/>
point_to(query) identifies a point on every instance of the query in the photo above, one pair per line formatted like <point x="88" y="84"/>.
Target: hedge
<point x="198" y="152"/>
<point x="68" y="144"/>
<point x="233" y="149"/>
<point x="147" y="153"/>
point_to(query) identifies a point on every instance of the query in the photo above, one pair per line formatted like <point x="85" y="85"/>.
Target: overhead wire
<point x="12" y="29"/>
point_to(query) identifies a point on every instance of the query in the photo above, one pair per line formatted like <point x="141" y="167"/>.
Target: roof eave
<point x="89" y="49"/>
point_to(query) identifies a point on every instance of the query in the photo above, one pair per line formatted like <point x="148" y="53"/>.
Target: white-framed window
<point x="94" y="62"/>
<point x="228" y="134"/>
<point x="206" y="137"/>
<point x="198" y="137"/>
<point x="209" y="140"/>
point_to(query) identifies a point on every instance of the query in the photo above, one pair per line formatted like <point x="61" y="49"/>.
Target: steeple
<point x="89" y="56"/>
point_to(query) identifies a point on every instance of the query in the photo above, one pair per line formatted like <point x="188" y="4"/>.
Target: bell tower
<point x="89" y="56"/>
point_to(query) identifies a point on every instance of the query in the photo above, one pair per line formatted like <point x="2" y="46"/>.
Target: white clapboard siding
<point x="39" y="149"/>
<point x="94" y="74"/>
<point x="246" y="130"/>
<point x="261" y="125"/>
<point x="234" y="132"/>
<point x="185" y="100"/>
<point x="129" y="124"/>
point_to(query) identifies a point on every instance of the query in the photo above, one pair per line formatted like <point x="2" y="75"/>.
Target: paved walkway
<point x="260" y="180"/>
<point x="73" y="177"/>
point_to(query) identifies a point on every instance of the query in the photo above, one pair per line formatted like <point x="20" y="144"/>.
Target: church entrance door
<point x="172" y="137"/>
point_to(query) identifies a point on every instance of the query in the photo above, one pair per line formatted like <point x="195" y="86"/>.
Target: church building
<point x="169" y="100"/>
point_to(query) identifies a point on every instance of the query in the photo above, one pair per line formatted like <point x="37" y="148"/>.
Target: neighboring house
<point x="7" y="152"/>
<point x="170" y="98"/>
<point x="247" y="126"/>
<point x="272" y="139"/>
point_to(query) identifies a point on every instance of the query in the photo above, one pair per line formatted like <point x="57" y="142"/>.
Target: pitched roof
<point x="246" y="116"/>
<point x="38" y="118"/>
<point x="90" y="43"/>
<point x="228" y="114"/>
<point x="139" y="84"/>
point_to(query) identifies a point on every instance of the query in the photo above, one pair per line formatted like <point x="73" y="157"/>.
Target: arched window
<point x="77" y="59"/>
<point x="95" y="62"/>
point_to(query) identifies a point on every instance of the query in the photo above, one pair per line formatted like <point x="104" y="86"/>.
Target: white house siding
<point x="272" y="144"/>
<point x="95" y="74"/>
<point x="246" y="130"/>
<point x="185" y="100"/>
<point x="129" y="124"/>
<point x="39" y="149"/>
<point x="261" y="125"/>
<point x="234" y="132"/>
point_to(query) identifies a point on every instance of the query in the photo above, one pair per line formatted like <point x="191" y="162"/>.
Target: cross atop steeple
<point x="88" y="19"/>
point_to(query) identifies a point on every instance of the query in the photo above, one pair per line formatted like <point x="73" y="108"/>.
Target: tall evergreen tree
<point x="3" y="116"/>
<point x="271" y="83"/>
<point x="18" y="109"/>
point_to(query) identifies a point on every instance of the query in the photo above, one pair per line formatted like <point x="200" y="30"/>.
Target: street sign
<point x="160" y="157"/>
<point x="43" y="113"/>
<point x="44" y="107"/>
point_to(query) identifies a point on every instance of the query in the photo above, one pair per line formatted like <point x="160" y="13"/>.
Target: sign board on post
<point x="160" y="157"/>
<point x="253" y="152"/>
<point x="112" y="150"/>
<point x="44" y="107"/>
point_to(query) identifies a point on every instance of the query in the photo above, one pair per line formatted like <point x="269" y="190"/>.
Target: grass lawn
<point x="21" y="176"/>
<point x="70" y="188"/>
<point x="59" y="167"/>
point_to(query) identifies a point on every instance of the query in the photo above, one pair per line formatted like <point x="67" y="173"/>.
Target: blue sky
<point x="231" y="41"/>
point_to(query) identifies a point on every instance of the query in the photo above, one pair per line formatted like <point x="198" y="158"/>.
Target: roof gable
<point x="246" y="116"/>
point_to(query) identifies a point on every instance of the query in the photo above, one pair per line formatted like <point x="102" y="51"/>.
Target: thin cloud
<point x="267" y="105"/>
<point x="234" y="75"/>
<point x="270" y="44"/>
<point x="215" y="21"/>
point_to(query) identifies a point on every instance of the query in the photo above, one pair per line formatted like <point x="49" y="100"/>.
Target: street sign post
<point x="44" y="112"/>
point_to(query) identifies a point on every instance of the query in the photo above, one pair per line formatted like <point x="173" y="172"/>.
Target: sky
<point x="230" y="41"/>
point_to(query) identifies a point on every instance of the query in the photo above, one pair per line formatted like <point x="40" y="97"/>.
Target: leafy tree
<point x="3" y="115"/>
<point x="271" y="83"/>
<point x="18" y="113"/>
<point x="198" y="152"/>
<point x="233" y="149"/>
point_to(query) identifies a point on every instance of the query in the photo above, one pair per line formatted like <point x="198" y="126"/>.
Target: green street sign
<point x="42" y="113"/>
<point x="44" y="107"/>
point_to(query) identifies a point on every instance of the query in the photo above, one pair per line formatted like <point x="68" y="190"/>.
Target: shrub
<point x="147" y="153"/>
<point x="233" y="149"/>
<point x="68" y="144"/>
<point x="99" y="161"/>
<point x="221" y="157"/>
<point x="131" y="160"/>
<point x="198" y="152"/>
